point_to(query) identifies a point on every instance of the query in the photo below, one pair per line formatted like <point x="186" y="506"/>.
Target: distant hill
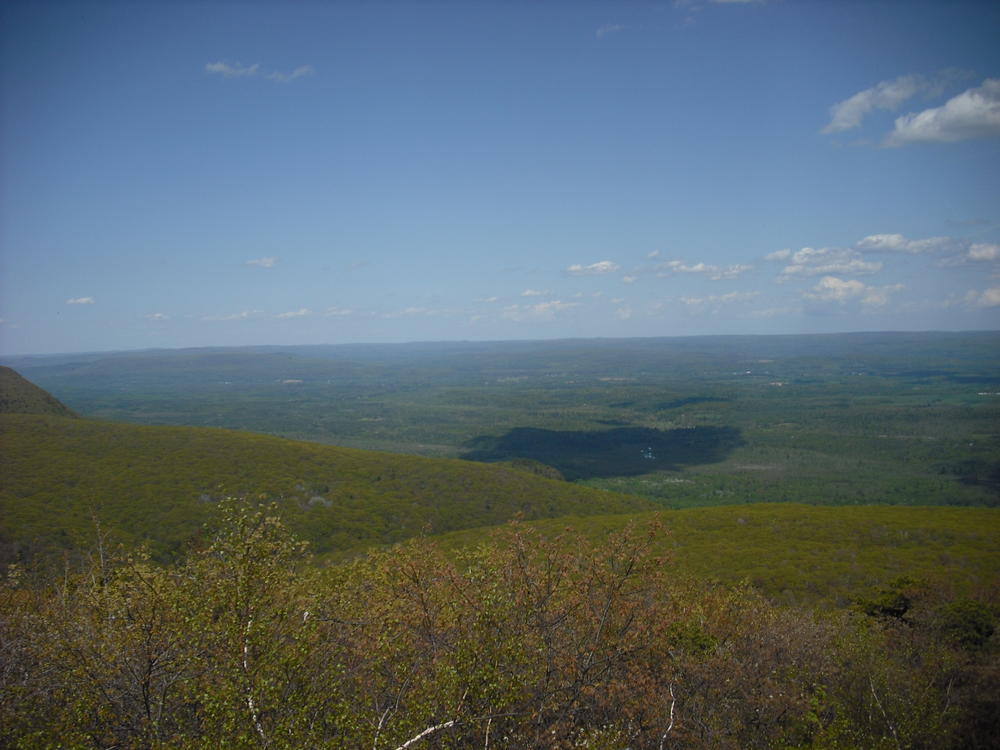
<point x="60" y="477"/>
<point x="18" y="396"/>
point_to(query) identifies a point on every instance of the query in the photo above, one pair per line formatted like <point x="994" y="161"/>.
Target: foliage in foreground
<point x="522" y="642"/>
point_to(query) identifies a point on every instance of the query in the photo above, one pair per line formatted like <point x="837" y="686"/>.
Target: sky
<point x="179" y="174"/>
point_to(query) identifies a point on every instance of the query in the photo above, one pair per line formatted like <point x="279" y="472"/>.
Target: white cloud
<point x="833" y="289"/>
<point x="878" y="296"/>
<point x="886" y="95"/>
<point x="338" y="311"/>
<point x="653" y="254"/>
<point x="731" y="271"/>
<point x="897" y="243"/>
<point x="234" y="316"/>
<point x="732" y="297"/>
<point x="624" y="312"/>
<point x="971" y="252"/>
<point x="302" y="70"/>
<point x="828" y="260"/>
<point x="629" y="279"/>
<point x="974" y="113"/>
<point x="715" y="302"/>
<point x="417" y="312"/>
<point x="774" y="312"/>
<point x="609" y="29"/>
<point x="409" y="312"/>
<point x="715" y="273"/>
<point x="302" y="312"/>
<point x="696" y="4"/>
<point x="80" y="301"/>
<point x="157" y="316"/>
<point x="534" y="293"/>
<point x="235" y="70"/>
<point x="987" y="298"/>
<point x="594" y="269"/>
<point x="541" y="311"/>
<point x="692" y="8"/>
<point x="884" y="242"/>
<point x="262" y="262"/>
<point x="486" y="299"/>
<point x="959" y="251"/>
<point x="679" y="266"/>
<point x="779" y="255"/>
<point x="984" y="251"/>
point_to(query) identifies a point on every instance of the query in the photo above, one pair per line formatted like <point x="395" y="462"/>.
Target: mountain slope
<point x="19" y="396"/>
<point x="807" y="554"/>
<point x="60" y="476"/>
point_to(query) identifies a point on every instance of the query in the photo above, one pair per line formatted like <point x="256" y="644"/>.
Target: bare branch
<point x="885" y="716"/>
<point x="670" y="726"/>
<point x="251" y="704"/>
<point x="381" y="723"/>
<point x="429" y="730"/>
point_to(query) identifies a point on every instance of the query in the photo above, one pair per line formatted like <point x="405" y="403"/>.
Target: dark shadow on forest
<point x="975" y="473"/>
<point x="625" y="451"/>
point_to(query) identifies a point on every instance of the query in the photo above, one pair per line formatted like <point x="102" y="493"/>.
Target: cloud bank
<point x="836" y="290"/>
<point x="823" y="261"/>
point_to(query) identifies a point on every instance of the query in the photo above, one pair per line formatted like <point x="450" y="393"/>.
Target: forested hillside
<point x="18" y="396"/>
<point x="61" y="478"/>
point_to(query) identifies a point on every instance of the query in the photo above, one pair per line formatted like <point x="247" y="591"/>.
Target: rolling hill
<point x="62" y="477"/>
<point x="20" y="396"/>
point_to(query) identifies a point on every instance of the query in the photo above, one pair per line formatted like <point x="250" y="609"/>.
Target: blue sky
<point x="223" y="173"/>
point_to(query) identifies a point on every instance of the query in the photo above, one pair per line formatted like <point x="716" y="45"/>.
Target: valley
<point x="576" y="543"/>
<point x="838" y="419"/>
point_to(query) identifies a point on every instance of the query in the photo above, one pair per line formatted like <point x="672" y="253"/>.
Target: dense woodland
<point x="781" y="542"/>
<point x="518" y="641"/>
